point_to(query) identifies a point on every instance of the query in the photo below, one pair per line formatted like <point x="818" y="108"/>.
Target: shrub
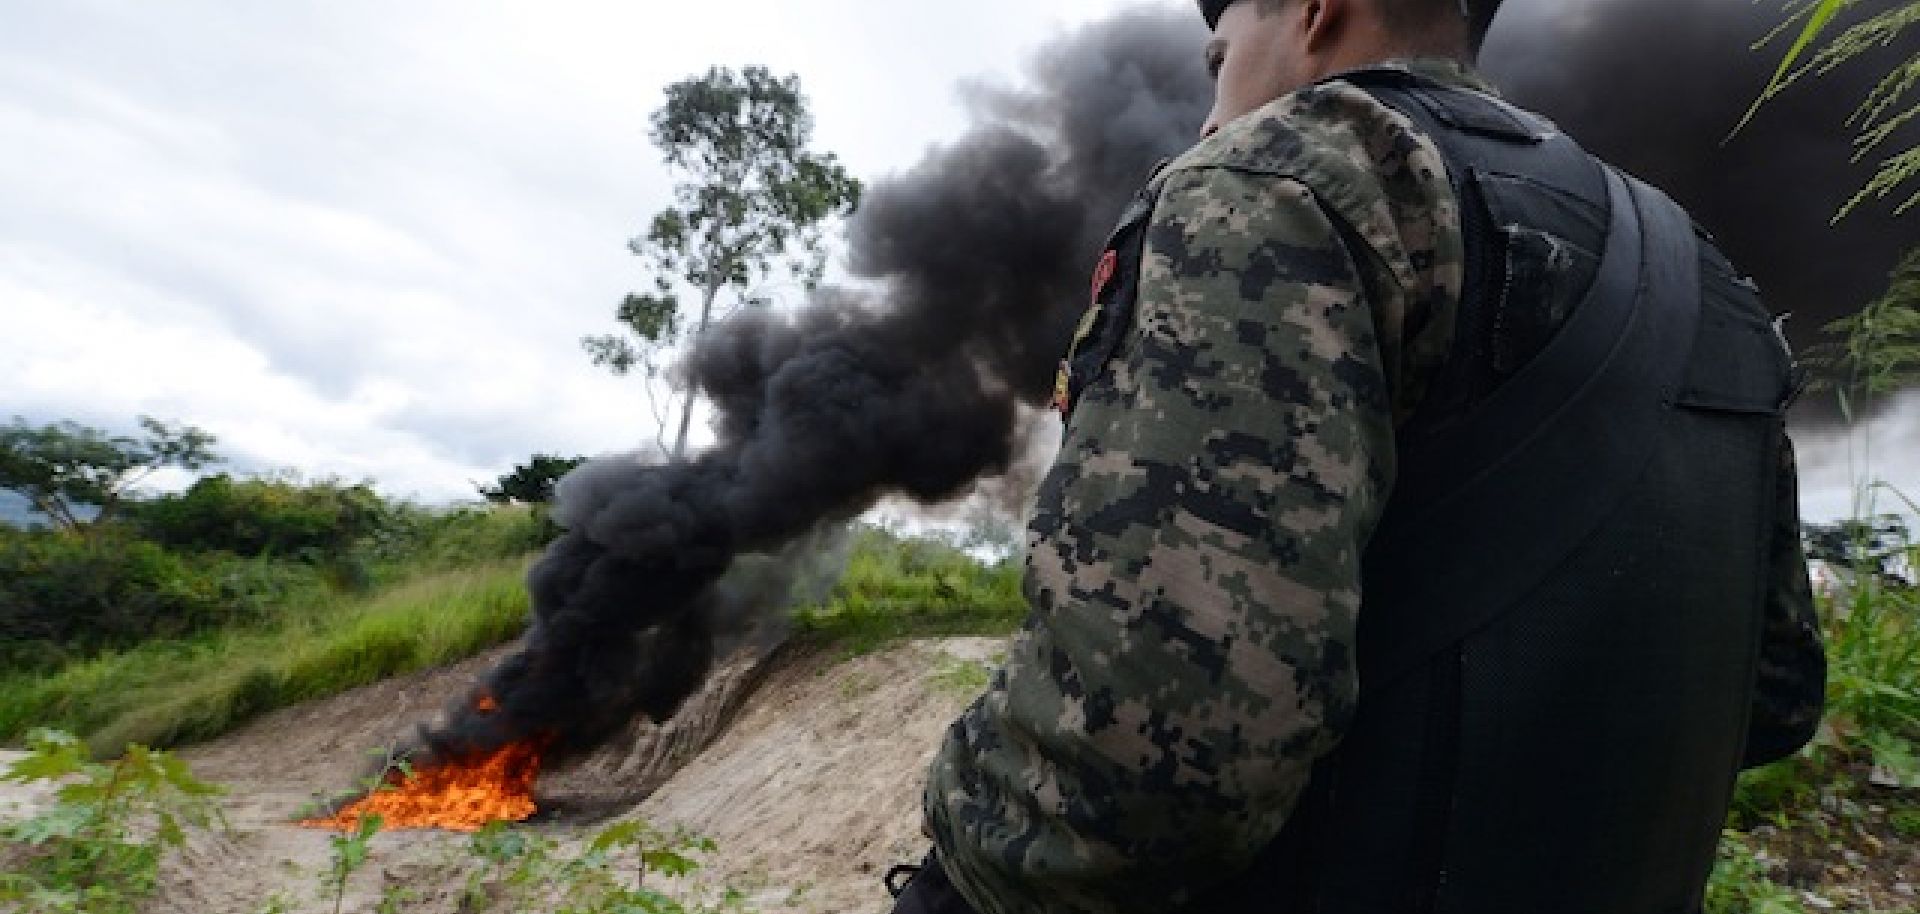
<point x="85" y="593"/>
<point x="262" y="517"/>
<point x="97" y="850"/>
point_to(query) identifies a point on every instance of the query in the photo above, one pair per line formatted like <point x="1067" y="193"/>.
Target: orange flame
<point x="461" y="795"/>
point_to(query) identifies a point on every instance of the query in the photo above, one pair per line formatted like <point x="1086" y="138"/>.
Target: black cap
<point x="1212" y="10"/>
<point x="1479" y="13"/>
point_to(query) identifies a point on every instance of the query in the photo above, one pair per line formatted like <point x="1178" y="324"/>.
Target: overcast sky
<point x="363" y="239"/>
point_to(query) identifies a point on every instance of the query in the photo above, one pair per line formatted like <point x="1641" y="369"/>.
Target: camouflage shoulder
<point x="1384" y="185"/>
<point x="1365" y="162"/>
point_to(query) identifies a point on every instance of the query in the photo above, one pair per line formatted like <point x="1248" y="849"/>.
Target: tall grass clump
<point x="166" y="693"/>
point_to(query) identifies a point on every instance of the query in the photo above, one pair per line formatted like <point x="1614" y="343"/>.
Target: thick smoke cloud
<point x="915" y="384"/>
<point x="1655" y="86"/>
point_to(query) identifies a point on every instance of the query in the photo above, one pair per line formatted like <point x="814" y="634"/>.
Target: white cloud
<point x="363" y="239"/>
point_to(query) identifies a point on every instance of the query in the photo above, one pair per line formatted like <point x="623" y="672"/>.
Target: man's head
<point x="1263" y="49"/>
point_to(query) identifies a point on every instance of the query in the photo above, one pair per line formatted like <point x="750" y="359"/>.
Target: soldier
<point x="1424" y="537"/>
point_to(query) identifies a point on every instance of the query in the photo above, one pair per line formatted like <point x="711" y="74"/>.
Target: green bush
<point x="1873" y="650"/>
<point x="262" y="517"/>
<point x="98" y="848"/>
<point x="80" y="593"/>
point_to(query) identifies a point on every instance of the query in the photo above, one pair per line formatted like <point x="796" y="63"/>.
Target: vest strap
<point x="1484" y="509"/>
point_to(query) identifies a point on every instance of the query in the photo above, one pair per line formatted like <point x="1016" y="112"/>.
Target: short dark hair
<point x="1408" y="16"/>
<point x="1401" y="15"/>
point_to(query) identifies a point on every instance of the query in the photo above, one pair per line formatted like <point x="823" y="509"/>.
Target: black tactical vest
<point x="1561" y="607"/>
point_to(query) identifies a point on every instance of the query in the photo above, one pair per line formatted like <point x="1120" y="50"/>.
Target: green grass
<point x="1874" y="651"/>
<point x="166" y="693"/>
<point x="963" y="678"/>
<point x="1808" y="811"/>
<point x="896" y="588"/>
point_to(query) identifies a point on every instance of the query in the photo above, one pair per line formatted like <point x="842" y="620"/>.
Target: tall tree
<point x="751" y="201"/>
<point x="64" y="466"/>
<point x="530" y="483"/>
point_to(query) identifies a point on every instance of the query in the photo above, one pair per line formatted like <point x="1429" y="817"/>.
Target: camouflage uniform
<point x="1194" y="558"/>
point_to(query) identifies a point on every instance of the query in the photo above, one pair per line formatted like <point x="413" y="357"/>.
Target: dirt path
<point x="810" y="789"/>
<point x="814" y="791"/>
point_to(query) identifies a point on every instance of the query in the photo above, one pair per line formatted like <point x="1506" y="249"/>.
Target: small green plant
<point x="1905" y="823"/>
<point x="520" y="870"/>
<point x="276" y="903"/>
<point x="1873" y="680"/>
<point x="955" y="676"/>
<point x="395" y="899"/>
<point x="97" y="848"/>
<point x="1740" y="883"/>
<point x="347" y="853"/>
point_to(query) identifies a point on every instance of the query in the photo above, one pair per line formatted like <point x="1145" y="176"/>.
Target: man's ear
<point x="1323" y="20"/>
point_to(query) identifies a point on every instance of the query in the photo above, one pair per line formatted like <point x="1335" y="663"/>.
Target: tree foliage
<point x="751" y="202"/>
<point x="262" y="517"/>
<point x="530" y="483"/>
<point x="64" y="466"/>
<point x="1889" y="106"/>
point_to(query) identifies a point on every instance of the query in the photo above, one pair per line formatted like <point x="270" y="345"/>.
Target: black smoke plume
<point x="1656" y="86"/>
<point x="915" y="383"/>
<point x="976" y="262"/>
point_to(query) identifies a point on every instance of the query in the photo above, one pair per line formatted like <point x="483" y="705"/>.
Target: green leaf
<point x="1820" y="16"/>
<point x="60" y="822"/>
<point x="44" y="767"/>
<point x="623" y="834"/>
<point x="668" y="862"/>
<point x="168" y="831"/>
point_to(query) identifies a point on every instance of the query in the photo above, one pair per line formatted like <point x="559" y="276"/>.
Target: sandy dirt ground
<point x="804" y="770"/>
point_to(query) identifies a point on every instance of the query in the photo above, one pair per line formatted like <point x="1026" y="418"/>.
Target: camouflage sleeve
<point x="1193" y="572"/>
<point x="1790" y="690"/>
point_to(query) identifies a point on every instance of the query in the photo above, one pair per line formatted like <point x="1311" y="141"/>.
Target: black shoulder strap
<point x="1487" y="506"/>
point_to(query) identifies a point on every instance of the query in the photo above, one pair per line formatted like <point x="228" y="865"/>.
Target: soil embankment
<point x="805" y="770"/>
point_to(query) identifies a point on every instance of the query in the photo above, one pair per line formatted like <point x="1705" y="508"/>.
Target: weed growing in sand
<point x="396" y="899"/>
<point x="522" y="870"/>
<point x="1740" y="883"/>
<point x="956" y="676"/>
<point x="347" y="853"/>
<point x="97" y="848"/>
<point x="276" y="903"/>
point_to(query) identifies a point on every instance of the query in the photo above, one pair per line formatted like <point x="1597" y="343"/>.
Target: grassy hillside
<point x="169" y="692"/>
<point x="175" y="643"/>
<point x="437" y="609"/>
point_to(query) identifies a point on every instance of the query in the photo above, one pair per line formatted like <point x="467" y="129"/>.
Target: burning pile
<point x="460" y="794"/>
